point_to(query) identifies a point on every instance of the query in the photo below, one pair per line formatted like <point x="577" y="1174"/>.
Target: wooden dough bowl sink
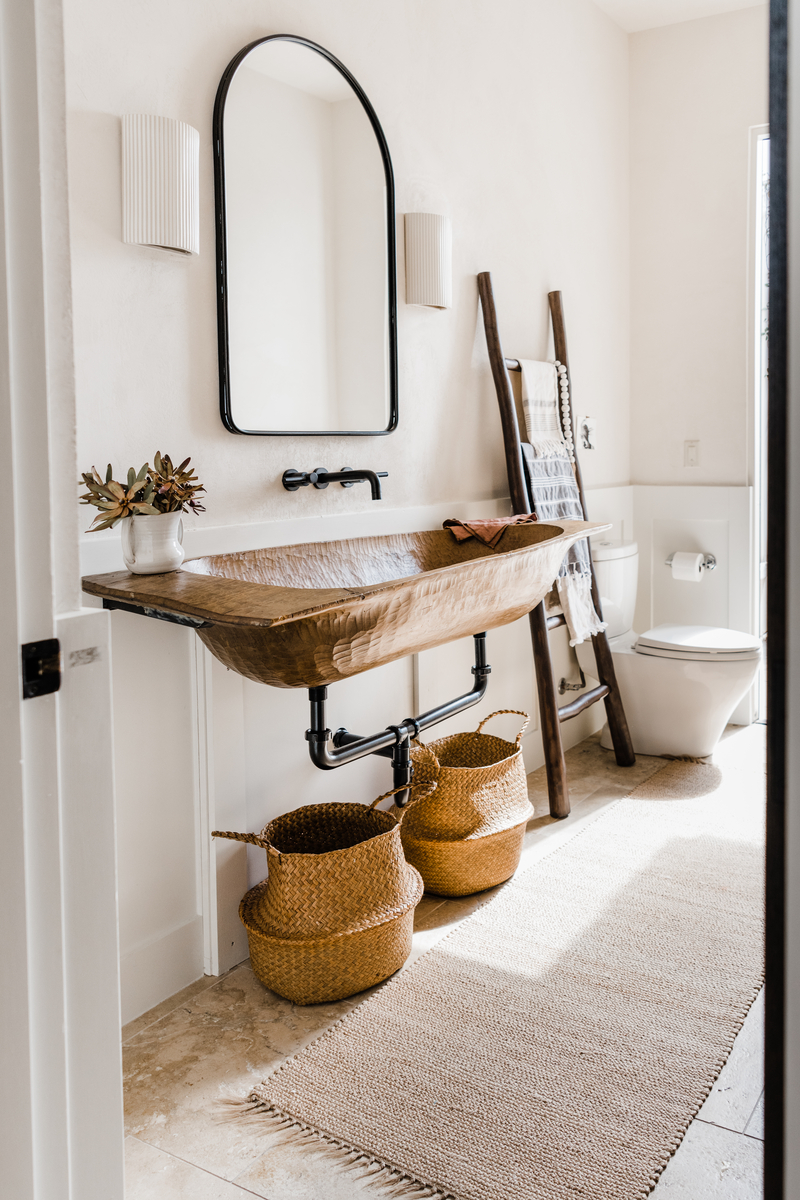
<point x="303" y="616"/>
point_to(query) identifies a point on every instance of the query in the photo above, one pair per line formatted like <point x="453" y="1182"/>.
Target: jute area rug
<point x="558" y="1043"/>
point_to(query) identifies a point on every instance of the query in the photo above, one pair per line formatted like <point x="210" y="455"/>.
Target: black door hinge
<point x="41" y="668"/>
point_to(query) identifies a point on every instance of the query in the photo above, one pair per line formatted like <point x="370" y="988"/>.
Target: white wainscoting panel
<point x="717" y="520"/>
<point x="228" y="786"/>
<point x="155" y="769"/>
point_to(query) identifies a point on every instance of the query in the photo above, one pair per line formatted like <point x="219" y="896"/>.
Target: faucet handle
<point x="293" y="480"/>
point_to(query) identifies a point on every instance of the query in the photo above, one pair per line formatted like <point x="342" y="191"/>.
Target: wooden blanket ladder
<point x="607" y="689"/>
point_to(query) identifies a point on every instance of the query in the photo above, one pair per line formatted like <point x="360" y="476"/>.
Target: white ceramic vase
<point x="153" y="544"/>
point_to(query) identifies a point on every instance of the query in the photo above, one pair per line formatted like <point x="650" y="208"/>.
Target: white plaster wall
<point x="696" y="90"/>
<point x="512" y="115"/>
<point x="509" y="117"/>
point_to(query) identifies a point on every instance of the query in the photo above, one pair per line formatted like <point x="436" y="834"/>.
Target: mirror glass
<point x="306" y="247"/>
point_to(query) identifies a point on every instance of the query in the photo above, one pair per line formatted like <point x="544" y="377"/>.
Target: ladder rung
<point x="554" y="622"/>
<point x="584" y="701"/>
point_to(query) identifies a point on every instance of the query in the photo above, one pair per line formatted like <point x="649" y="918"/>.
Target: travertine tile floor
<point x="218" y="1036"/>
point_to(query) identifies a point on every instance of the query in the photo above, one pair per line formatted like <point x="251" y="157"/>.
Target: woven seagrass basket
<point x="336" y="913"/>
<point x="468" y="835"/>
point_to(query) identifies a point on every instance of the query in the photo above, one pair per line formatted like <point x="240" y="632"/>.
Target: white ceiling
<point x="634" y="15"/>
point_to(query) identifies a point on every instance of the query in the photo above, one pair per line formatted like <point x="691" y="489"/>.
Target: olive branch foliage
<point x="162" y="488"/>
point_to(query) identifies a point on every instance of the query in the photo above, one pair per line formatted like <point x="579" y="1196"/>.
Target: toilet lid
<point x="610" y="549"/>
<point x="704" y="643"/>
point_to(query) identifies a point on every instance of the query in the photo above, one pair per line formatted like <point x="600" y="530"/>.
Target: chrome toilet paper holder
<point x="709" y="561"/>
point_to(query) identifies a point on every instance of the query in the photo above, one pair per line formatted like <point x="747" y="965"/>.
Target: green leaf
<point x="131" y="477"/>
<point x="109" y="473"/>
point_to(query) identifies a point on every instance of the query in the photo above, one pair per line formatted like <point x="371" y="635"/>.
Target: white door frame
<point x="756" y="445"/>
<point x="61" y="1132"/>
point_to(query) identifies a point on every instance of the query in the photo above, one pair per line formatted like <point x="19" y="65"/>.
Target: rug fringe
<point x="384" y="1178"/>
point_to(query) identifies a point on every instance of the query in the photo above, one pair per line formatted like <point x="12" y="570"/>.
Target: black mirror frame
<point x="221" y="231"/>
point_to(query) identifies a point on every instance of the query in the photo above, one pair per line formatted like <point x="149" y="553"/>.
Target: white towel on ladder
<point x="575" y="594"/>
<point x="540" y="405"/>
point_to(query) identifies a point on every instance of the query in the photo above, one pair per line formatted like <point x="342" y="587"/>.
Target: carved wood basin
<point x="308" y="615"/>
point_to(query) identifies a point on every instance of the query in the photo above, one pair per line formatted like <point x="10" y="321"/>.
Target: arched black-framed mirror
<point x="306" y="257"/>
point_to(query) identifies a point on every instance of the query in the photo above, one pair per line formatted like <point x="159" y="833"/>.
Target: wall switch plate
<point x="691" y="454"/>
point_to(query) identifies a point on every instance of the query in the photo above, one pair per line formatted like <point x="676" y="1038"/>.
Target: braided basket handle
<point x="431" y="787"/>
<point x="255" y="839"/>
<point x="421" y="746"/>
<point x="500" y="712"/>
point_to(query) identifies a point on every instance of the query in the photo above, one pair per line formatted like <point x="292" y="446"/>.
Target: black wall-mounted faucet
<point x="320" y="477"/>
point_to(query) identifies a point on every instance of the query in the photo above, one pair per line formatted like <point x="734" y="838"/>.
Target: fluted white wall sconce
<point x="429" y="260"/>
<point x="160" y="183"/>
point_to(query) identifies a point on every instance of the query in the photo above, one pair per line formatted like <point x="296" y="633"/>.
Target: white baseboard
<point x="160" y="967"/>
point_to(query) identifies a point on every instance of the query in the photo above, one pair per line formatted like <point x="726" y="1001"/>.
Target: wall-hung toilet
<point x="679" y="683"/>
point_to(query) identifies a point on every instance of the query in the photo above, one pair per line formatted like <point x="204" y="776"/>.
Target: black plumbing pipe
<point x="328" y="752"/>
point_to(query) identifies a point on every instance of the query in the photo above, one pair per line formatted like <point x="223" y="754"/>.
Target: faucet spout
<point x="347" y="478"/>
<point x="320" y="477"/>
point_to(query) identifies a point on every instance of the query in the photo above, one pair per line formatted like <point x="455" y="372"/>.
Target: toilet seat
<point x="698" y="643"/>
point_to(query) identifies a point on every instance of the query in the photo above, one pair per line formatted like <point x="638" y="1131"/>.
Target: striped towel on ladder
<point x="553" y="493"/>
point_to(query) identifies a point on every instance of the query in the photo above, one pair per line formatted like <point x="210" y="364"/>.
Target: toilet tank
<point x="616" y="566"/>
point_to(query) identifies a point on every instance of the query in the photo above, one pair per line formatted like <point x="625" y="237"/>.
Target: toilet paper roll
<point x="687" y="566"/>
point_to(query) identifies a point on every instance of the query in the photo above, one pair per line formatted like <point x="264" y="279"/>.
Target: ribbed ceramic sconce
<point x="160" y="183"/>
<point x="429" y="260"/>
